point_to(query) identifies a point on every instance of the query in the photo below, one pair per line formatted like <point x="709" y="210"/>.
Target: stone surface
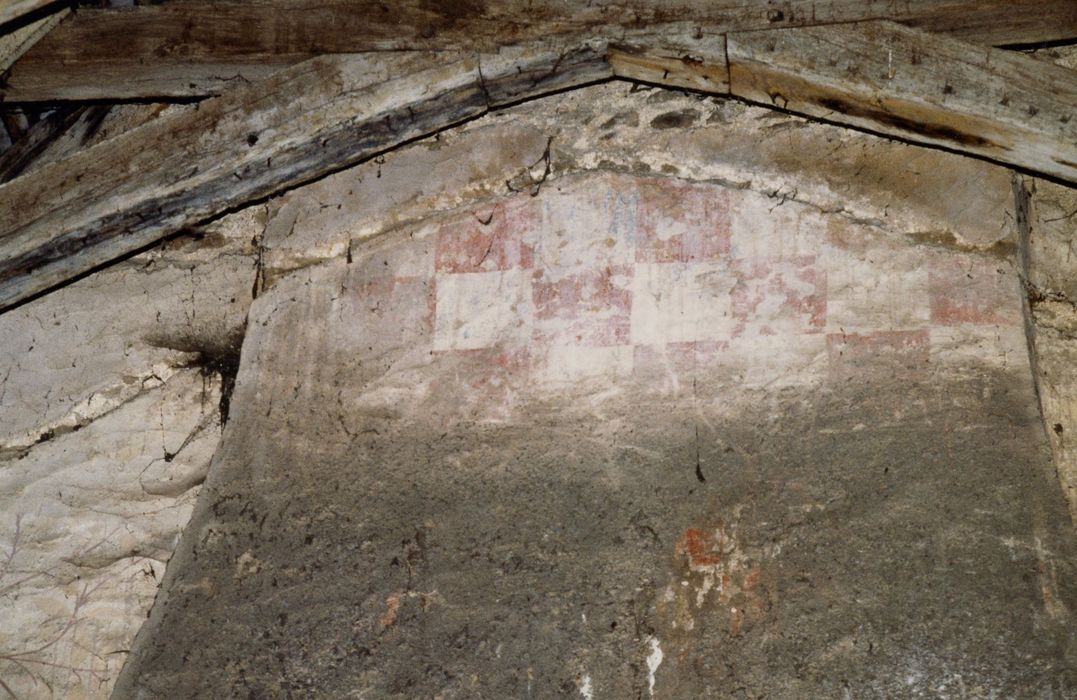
<point x="615" y="439"/>
<point x="90" y="520"/>
<point x="109" y="414"/>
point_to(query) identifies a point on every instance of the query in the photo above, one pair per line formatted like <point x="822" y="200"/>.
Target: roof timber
<point x="198" y="47"/>
<point x="68" y="217"/>
<point x="19" y="40"/>
<point x="11" y="10"/>
<point x="919" y="86"/>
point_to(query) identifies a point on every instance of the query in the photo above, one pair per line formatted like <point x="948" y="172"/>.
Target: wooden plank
<point x="685" y="60"/>
<point x="17" y="42"/>
<point x="94" y="124"/>
<point x="11" y="10"/>
<point x="68" y="217"/>
<point x="199" y="48"/>
<point x="69" y="129"/>
<point x="65" y="218"/>
<point x="37" y="139"/>
<point x="918" y="86"/>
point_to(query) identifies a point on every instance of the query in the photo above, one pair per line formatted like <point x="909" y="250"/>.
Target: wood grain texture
<point x="199" y="48"/>
<point x="68" y="217"/>
<point x="16" y="43"/>
<point x="918" y="86"/>
<point x="36" y="141"/>
<point x="11" y="10"/>
<point x="685" y="60"/>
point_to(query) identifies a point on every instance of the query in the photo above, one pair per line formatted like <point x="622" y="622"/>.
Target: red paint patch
<point x="722" y="578"/>
<point x="972" y="291"/>
<point x="392" y="605"/>
<point x="589" y="308"/>
<point x="681" y="222"/>
<point x="700" y="546"/>
<point x="783" y="294"/>
<point x="487" y="240"/>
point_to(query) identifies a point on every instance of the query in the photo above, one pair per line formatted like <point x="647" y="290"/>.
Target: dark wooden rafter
<point x="35" y="140"/>
<point x="14" y="11"/>
<point x="198" y="48"/>
<point x="923" y="87"/>
<point x="68" y="217"/>
<point x="302" y="123"/>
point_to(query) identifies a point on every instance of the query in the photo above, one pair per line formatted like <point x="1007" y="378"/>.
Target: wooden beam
<point x="68" y="217"/>
<point x="695" y="62"/>
<point x="65" y="218"/>
<point x="11" y="10"/>
<point x="17" y="42"/>
<point x="918" y="86"/>
<point x="37" y="139"/>
<point x="199" y="48"/>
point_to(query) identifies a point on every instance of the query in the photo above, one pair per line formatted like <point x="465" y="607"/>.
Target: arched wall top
<point x="71" y="216"/>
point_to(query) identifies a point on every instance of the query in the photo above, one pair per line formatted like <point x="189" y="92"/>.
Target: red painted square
<point x="681" y="222"/>
<point x="700" y="546"/>
<point x="488" y="240"/>
<point x="779" y="295"/>
<point x="586" y="307"/>
<point x="972" y="290"/>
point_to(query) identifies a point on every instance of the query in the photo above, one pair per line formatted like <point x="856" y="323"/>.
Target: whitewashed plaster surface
<point x="100" y="380"/>
<point x="108" y="421"/>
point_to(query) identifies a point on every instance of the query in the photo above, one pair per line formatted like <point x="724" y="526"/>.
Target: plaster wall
<point x="630" y="436"/>
<point x="620" y="393"/>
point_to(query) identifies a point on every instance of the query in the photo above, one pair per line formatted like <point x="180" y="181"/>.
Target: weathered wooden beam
<point x="18" y="41"/>
<point x="37" y="139"/>
<point x="695" y="62"/>
<point x="68" y="217"/>
<point x="200" y="48"/>
<point x="11" y="10"/>
<point x="918" y="86"/>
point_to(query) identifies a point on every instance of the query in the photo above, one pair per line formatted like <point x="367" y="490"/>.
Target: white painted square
<point x="681" y="302"/>
<point x="481" y="309"/>
<point x="562" y="365"/>
<point x="881" y="289"/>
<point x="763" y="227"/>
